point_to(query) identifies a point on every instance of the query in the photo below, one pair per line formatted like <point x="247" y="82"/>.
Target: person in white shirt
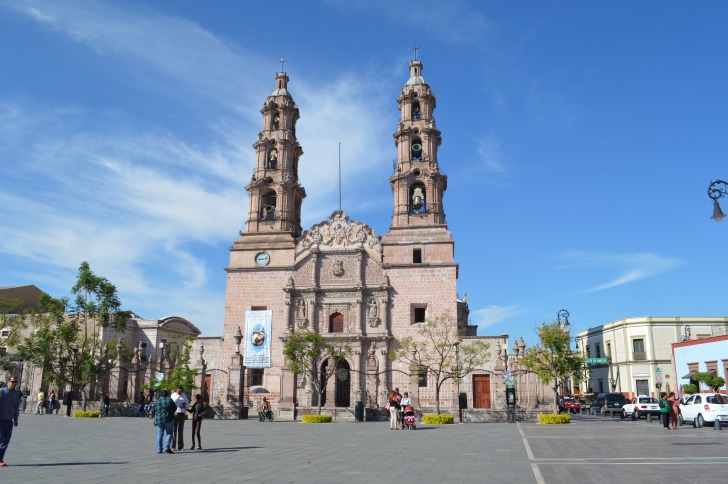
<point x="183" y="405"/>
<point x="406" y="402"/>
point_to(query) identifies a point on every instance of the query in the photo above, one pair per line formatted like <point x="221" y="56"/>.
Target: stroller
<point x="409" y="417"/>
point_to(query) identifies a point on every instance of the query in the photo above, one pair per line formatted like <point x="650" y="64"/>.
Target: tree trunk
<point x="556" y="396"/>
<point x="437" y="399"/>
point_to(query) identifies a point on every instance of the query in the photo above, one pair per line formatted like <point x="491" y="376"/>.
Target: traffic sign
<point x="506" y="375"/>
<point x="595" y="361"/>
<point x="658" y="378"/>
<point x="657" y="370"/>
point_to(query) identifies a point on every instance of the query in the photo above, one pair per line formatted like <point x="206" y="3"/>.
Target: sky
<point x="579" y="140"/>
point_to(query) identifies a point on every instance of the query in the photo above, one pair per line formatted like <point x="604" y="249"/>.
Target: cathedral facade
<point x="338" y="277"/>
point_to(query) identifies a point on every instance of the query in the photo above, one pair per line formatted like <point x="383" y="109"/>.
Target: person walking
<point x="406" y="402"/>
<point x="674" y="409"/>
<point x="180" y="415"/>
<point x="140" y="406"/>
<point x="665" y="411"/>
<point x="163" y="412"/>
<point x="267" y="412"/>
<point x="148" y="405"/>
<point x="41" y="402"/>
<point x="105" y="404"/>
<point x="9" y="413"/>
<point x="198" y="413"/>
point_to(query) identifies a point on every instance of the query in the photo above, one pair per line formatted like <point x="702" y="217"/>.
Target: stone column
<point x="385" y="377"/>
<point x="236" y="398"/>
<point x="356" y="379"/>
<point x="117" y="389"/>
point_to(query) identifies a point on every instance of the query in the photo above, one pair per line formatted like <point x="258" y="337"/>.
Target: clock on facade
<point x="262" y="258"/>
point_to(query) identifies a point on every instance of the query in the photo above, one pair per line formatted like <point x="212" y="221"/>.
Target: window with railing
<point x="638" y="349"/>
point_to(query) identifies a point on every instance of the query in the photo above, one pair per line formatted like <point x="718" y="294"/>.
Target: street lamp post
<point x="565" y="327"/>
<point x="73" y="380"/>
<point x="242" y="409"/>
<point x="715" y="191"/>
<point x="457" y="378"/>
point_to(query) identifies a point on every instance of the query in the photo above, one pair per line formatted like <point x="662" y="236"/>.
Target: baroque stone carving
<point x="340" y="232"/>
<point x="338" y="269"/>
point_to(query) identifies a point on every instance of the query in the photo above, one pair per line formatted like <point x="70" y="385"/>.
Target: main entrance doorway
<point x="341" y="383"/>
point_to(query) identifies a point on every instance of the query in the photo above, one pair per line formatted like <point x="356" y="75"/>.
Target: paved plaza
<point x="591" y="449"/>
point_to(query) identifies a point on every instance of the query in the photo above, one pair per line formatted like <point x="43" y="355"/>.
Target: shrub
<point x="438" y="419"/>
<point x="316" y="419"/>
<point x="550" y="418"/>
<point x="690" y="388"/>
<point x="83" y="414"/>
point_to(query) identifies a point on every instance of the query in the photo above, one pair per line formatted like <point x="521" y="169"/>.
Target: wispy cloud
<point x="489" y="151"/>
<point x="493" y="315"/>
<point x="140" y="204"/>
<point x="626" y="268"/>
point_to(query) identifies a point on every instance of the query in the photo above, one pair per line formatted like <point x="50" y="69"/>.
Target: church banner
<point x="256" y="352"/>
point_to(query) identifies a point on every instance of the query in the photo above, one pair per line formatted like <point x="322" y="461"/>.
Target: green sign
<point x="595" y="361"/>
<point x="510" y="383"/>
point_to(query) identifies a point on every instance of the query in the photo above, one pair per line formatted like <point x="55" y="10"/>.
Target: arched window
<point x="416" y="150"/>
<point x="276" y="121"/>
<point x="268" y="207"/>
<point x="416" y="114"/>
<point x="271" y="162"/>
<point x="336" y="323"/>
<point x="418" y="201"/>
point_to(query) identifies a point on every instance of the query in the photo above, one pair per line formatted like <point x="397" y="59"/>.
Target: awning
<point x="689" y="375"/>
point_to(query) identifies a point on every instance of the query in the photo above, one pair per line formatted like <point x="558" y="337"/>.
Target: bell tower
<point x="274" y="191"/>
<point x="418" y="233"/>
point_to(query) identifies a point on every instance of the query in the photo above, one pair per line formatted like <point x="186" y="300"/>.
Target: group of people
<point x="47" y="405"/>
<point x="170" y="413"/>
<point x="669" y="409"/>
<point x="396" y="404"/>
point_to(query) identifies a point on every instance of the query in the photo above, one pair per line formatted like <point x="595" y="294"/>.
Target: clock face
<point x="262" y="258"/>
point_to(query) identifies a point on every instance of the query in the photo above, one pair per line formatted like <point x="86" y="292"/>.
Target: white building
<point x="635" y="348"/>
<point x="709" y="355"/>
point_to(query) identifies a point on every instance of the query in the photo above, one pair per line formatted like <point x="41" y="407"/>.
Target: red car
<point x="572" y="405"/>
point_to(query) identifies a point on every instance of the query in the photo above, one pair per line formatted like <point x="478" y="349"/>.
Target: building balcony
<point x="639" y="356"/>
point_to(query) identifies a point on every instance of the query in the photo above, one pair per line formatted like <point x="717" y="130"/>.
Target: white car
<point x="640" y="406"/>
<point x="706" y="407"/>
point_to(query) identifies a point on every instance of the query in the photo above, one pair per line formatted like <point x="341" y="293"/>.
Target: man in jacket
<point x="183" y="404"/>
<point x="9" y="412"/>
<point x="163" y="412"/>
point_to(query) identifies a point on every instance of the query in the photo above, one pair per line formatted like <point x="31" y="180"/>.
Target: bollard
<point x="634" y="417"/>
<point x="649" y="418"/>
<point x="717" y="425"/>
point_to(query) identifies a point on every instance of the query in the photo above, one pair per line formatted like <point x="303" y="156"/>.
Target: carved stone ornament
<point x="338" y="269"/>
<point x="340" y="233"/>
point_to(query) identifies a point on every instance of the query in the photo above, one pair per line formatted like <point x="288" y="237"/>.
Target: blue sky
<point x="579" y="139"/>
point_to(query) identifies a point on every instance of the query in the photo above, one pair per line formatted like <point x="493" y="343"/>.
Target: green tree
<point x="552" y="359"/>
<point x="709" y="379"/>
<point x="12" y="320"/>
<point x="179" y="374"/>
<point x="316" y="357"/>
<point x="65" y="339"/>
<point x="440" y="353"/>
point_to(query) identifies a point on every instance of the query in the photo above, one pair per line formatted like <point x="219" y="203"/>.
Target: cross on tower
<point x="415" y="49"/>
<point x="283" y="63"/>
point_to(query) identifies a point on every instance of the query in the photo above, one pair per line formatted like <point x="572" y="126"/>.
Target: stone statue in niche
<point x="338" y="268"/>
<point x="373" y="313"/>
<point x="301" y="309"/>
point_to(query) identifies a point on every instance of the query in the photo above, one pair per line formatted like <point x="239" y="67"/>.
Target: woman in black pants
<point x="198" y="413"/>
<point x="665" y="411"/>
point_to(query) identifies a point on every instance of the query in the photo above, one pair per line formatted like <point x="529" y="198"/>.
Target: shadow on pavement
<point x="52" y="464"/>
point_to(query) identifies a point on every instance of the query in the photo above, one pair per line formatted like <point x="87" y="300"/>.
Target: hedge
<point x="550" y="418"/>
<point x="83" y="414"/>
<point x="438" y="418"/>
<point x="316" y="419"/>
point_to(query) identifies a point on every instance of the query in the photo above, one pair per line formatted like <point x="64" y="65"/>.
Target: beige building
<point x="339" y="277"/>
<point x="636" y="347"/>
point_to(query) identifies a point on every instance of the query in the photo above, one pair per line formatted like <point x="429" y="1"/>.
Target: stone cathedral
<point x="339" y="277"/>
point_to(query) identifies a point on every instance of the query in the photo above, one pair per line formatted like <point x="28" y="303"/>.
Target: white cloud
<point x="489" y="151"/>
<point x="493" y="315"/>
<point x="626" y="268"/>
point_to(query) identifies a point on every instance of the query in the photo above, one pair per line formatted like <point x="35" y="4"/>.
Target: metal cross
<point x="283" y="63"/>
<point x="415" y="49"/>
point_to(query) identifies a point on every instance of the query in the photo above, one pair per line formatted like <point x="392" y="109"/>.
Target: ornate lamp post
<point x="242" y="408"/>
<point x="73" y="380"/>
<point x="715" y="192"/>
<point x="562" y="317"/>
<point x="457" y="376"/>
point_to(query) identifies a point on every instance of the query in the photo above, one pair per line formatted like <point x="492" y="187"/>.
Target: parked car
<point x="706" y="407"/>
<point x="608" y="402"/>
<point x="572" y="405"/>
<point x="641" y="405"/>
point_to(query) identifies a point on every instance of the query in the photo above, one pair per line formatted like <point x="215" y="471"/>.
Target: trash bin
<point x="359" y="411"/>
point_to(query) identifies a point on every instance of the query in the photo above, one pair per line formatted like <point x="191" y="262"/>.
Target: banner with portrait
<point x="256" y="351"/>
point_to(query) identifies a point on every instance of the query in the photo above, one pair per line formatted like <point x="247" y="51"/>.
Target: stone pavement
<point x="591" y="449"/>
